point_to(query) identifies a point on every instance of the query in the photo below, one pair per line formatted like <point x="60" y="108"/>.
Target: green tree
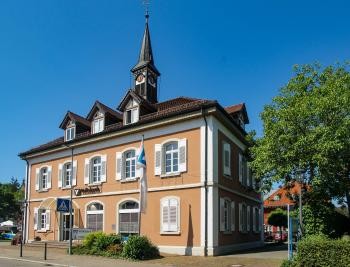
<point x="307" y="127"/>
<point x="279" y="219"/>
<point x="11" y="195"/>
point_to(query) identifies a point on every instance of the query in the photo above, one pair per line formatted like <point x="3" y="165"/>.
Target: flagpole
<point x="140" y="195"/>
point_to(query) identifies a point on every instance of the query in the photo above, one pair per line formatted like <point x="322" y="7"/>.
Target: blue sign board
<point x="63" y="205"/>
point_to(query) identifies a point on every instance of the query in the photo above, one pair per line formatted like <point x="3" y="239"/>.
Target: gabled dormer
<point x="72" y="125"/>
<point x="133" y="106"/>
<point x="100" y="116"/>
<point x="239" y="114"/>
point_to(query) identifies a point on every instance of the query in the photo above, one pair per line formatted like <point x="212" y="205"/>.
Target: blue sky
<point x="61" y="55"/>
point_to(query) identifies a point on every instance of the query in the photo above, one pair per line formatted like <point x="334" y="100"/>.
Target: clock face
<point x="140" y="78"/>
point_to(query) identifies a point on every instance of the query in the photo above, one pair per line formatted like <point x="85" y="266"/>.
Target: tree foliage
<point x="278" y="218"/>
<point x="11" y="195"/>
<point x="307" y="127"/>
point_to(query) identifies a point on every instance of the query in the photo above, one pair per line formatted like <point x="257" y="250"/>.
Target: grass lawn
<point x="180" y="261"/>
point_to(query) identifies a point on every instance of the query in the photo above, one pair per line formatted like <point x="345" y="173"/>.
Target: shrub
<point x="114" y="249"/>
<point x="287" y="263"/>
<point x="320" y="251"/>
<point x="89" y="239"/>
<point x="139" y="248"/>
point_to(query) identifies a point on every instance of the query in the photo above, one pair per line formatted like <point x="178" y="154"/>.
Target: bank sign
<point x="63" y="205"/>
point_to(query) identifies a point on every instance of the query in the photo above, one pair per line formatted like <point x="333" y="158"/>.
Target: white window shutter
<point x="227" y="159"/>
<point x="254" y="219"/>
<point x="87" y="171"/>
<point x="60" y="174"/>
<point x="74" y="177"/>
<point x="222" y="214"/>
<point x="136" y="115"/>
<point x="49" y="176"/>
<point x="183" y="155"/>
<point x="158" y="159"/>
<point x="48" y="217"/>
<point x="173" y="215"/>
<point x="240" y="167"/>
<point x="103" y="168"/>
<point x="240" y="217"/>
<point x="119" y="163"/>
<point x="165" y="216"/>
<point x="36" y="218"/>
<point x="248" y="218"/>
<point x="233" y="217"/>
<point x="248" y="176"/>
<point x="37" y="179"/>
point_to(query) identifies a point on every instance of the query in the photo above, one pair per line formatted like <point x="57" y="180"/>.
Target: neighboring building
<point x="286" y="195"/>
<point x="201" y="196"/>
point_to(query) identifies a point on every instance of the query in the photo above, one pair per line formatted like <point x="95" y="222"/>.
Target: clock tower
<point x="145" y="73"/>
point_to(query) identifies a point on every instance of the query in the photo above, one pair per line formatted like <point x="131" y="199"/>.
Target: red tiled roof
<point x="234" y="108"/>
<point x="166" y="109"/>
<point x="284" y="194"/>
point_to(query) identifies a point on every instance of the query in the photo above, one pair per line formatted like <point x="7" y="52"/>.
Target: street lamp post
<point x="71" y="205"/>
<point x="300" y="179"/>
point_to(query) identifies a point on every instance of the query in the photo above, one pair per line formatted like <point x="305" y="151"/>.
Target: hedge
<point x="321" y="251"/>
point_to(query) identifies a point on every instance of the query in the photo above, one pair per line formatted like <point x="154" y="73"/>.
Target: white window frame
<point x="132" y="166"/>
<point x="70" y="133"/>
<point x="98" y="170"/>
<point x="166" y="201"/>
<point x="41" y="220"/>
<point x="98" y="125"/>
<point x="134" y="115"/>
<point x="67" y="175"/>
<point x="120" y="210"/>
<point x="171" y="152"/>
<point x="44" y="177"/>
<point x="93" y="212"/>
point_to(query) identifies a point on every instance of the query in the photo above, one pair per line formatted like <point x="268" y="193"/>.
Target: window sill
<point x="95" y="184"/>
<point x="171" y="233"/>
<point x="173" y="174"/>
<point x="43" y="190"/>
<point x="227" y="176"/>
<point x="129" y="180"/>
<point x="42" y="231"/>
<point x="66" y="187"/>
<point x="227" y="232"/>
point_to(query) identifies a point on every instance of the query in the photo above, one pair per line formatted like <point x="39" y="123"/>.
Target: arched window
<point x="171" y="157"/>
<point x="94" y="216"/>
<point x="130" y="164"/>
<point x="128" y="218"/>
<point x="96" y="170"/>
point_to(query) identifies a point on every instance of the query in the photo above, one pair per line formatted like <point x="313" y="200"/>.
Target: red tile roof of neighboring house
<point x="234" y="108"/>
<point x="283" y="196"/>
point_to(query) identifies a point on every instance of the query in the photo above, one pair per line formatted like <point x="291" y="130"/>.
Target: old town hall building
<point x="201" y="195"/>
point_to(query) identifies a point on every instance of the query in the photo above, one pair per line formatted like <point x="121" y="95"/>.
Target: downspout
<point x="206" y="186"/>
<point x="25" y="205"/>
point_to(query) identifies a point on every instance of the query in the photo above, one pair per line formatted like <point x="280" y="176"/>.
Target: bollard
<point x="21" y="249"/>
<point x="45" y="251"/>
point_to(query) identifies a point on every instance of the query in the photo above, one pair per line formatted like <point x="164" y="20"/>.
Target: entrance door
<point x="65" y="223"/>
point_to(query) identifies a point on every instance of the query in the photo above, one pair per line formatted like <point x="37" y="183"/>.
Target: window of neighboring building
<point x="170" y="215"/>
<point x="276" y="197"/>
<point x="256" y="220"/>
<point x="171" y="157"/>
<point x="70" y="133"/>
<point x="130" y="164"/>
<point x="97" y="125"/>
<point x="67" y="174"/>
<point x="96" y="169"/>
<point x="128" y="218"/>
<point x="226" y="148"/>
<point x="94" y="216"/>
<point x="131" y="115"/>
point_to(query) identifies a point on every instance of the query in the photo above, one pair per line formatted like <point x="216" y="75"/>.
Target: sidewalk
<point x="59" y="257"/>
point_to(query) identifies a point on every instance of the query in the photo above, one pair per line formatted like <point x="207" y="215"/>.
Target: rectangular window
<point x="227" y="159"/>
<point x="97" y="125"/>
<point x="94" y="222"/>
<point x="131" y="116"/>
<point x="67" y="174"/>
<point x="70" y="133"/>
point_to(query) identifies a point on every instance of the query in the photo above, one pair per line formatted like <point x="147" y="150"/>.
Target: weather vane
<point x="146" y="4"/>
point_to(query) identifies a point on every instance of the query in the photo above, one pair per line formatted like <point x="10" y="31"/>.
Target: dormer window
<point x="241" y="121"/>
<point x="131" y="114"/>
<point x="70" y="133"/>
<point x="98" y="123"/>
